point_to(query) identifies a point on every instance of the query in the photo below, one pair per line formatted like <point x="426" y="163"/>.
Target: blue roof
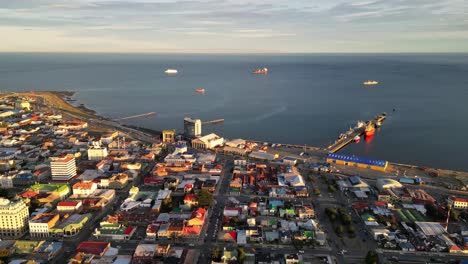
<point x="354" y="180"/>
<point x="372" y="162"/>
<point x="406" y="180"/>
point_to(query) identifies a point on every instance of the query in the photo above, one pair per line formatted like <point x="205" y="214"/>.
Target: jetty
<point x="350" y="135"/>
<point x="216" y="121"/>
<point x="136" y="116"/>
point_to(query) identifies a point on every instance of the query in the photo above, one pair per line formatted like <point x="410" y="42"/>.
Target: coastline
<point x="58" y="100"/>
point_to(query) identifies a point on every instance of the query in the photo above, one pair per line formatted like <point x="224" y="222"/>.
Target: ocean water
<point x="304" y="99"/>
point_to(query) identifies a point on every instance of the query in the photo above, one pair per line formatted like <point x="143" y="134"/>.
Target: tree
<point x="351" y="230"/>
<point x="339" y="230"/>
<point x="346" y="219"/>
<point x="372" y="257"/>
<point x="331" y="188"/>
<point x="316" y="191"/>
<point x="454" y="215"/>
<point x="205" y="198"/>
<point x="216" y="255"/>
<point x="241" y="252"/>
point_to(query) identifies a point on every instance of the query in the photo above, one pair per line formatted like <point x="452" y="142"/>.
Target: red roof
<point x="192" y="230"/>
<point x="460" y="200"/>
<point x="152" y="229"/>
<point x="455" y="248"/>
<point x="379" y="203"/>
<point x="360" y="205"/>
<point x="128" y="230"/>
<point x="68" y="203"/>
<point x="93" y="247"/>
<point x="29" y="194"/>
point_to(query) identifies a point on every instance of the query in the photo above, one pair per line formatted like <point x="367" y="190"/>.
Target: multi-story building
<point x="97" y="152"/>
<point x="63" y="168"/>
<point x="6" y="181"/>
<point x="168" y="136"/>
<point x="457" y="203"/>
<point x="13" y="218"/>
<point x="40" y="225"/>
<point x="192" y="127"/>
<point x="84" y="188"/>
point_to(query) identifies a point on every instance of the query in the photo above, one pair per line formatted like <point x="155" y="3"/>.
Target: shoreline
<point x="83" y="112"/>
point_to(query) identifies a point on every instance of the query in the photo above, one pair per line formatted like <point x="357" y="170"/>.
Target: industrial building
<point x="208" y="142"/>
<point x="13" y="218"/>
<point x="63" y="168"/>
<point x="383" y="184"/>
<point x="192" y="127"/>
<point x="359" y="162"/>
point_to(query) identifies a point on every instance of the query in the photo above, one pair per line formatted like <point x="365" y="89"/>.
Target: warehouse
<point x="357" y="161"/>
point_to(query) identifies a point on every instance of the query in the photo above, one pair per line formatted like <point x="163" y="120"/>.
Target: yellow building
<point x="347" y="160"/>
<point x="168" y="136"/>
<point x="13" y="218"/>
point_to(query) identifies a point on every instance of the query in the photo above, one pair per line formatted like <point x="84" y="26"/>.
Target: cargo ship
<point x="370" y="129"/>
<point x="260" y="71"/>
<point x="370" y="82"/>
<point x="200" y="90"/>
<point x="171" y="71"/>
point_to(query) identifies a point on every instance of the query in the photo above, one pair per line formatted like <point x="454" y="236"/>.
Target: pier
<point x="357" y="131"/>
<point x="343" y="142"/>
<point x="216" y="121"/>
<point x="136" y="116"/>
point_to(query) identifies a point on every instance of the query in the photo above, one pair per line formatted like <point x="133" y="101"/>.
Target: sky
<point x="234" y="26"/>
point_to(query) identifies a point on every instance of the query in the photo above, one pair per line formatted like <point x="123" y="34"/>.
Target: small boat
<point x="200" y="90"/>
<point x="260" y="71"/>
<point x="378" y="123"/>
<point x="357" y="139"/>
<point x="171" y="71"/>
<point x="370" y="129"/>
<point x="370" y="82"/>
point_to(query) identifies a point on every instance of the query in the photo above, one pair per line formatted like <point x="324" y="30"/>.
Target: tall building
<point x="192" y="127"/>
<point x="13" y="218"/>
<point x="96" y="151"/>
<point x="63" y="168"/>
<point x="168" y="136"/>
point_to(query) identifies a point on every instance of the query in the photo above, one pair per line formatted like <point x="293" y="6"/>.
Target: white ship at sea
<point x="171" y="71"/>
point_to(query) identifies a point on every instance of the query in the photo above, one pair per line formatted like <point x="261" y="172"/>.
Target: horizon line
<point x="234" y="52"/>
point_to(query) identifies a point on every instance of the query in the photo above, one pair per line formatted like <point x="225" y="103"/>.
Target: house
<point x="93" y="247"/>
<point x="85" y="188"/>
<point x="69" y="206"/>
<point x="457" y="203"/>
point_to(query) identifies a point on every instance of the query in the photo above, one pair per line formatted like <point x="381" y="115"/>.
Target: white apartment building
<point x="97" y="152"/>
<point x="63" y="168"/>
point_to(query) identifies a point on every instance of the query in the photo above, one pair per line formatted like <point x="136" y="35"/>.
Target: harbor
<point x="354" y="134"/>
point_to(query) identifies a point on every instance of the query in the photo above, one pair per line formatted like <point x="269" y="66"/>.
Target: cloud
<point x="293" y="25"/>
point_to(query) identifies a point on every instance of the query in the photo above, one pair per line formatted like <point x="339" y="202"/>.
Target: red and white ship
<point x="200" y="90"/>
<point x="370" y="129"/>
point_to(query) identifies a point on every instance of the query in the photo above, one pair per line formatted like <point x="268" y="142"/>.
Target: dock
<point x="136" y="116"/>
<point x="357" y="131"/>
<point x="216" y="121"/>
